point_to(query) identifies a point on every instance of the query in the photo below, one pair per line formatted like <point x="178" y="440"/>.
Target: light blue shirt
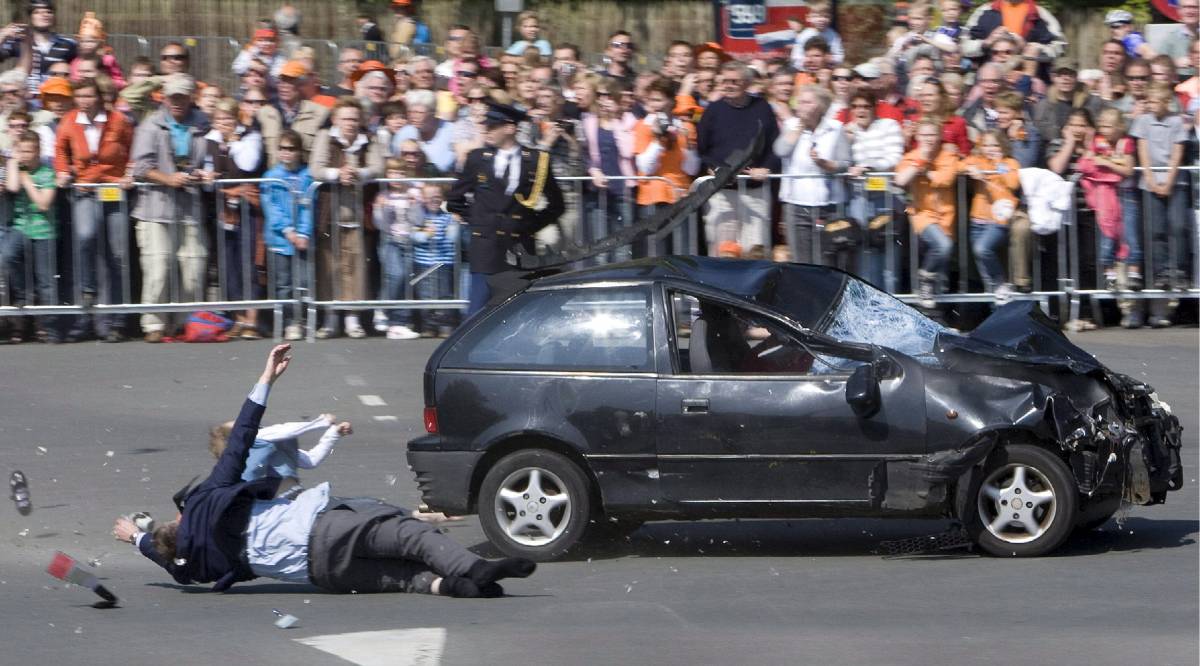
<point x="278" y="531"/>
<point x="439" y="150"/>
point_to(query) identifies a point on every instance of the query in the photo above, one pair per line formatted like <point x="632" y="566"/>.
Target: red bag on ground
<point x="206" y="327"/>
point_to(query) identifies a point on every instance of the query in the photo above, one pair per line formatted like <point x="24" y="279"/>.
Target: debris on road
<point x="955" y="537"/>
<point x="285" y="621"/>
<point x="19" y="492"/>
<point x="65" y="568"/>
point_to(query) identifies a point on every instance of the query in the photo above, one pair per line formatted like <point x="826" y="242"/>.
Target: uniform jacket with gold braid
<point x="498" y="221"/>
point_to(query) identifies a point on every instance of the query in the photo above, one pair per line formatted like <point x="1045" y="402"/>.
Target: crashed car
<point x="690" y="388"/>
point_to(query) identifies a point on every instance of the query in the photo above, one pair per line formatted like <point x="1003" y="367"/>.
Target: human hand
<point x="207" y="177"/>
<point x="344" y="428"/>
<point x="599" y="179"/>
<point x="758" y="173"/>
<point x="277" y="363"/>
<point x="328" y="417"/>
<point x="301" y="243"/>
<point x="347" y="175"/>
<point x="126" y="182"/>
<point x="124" y="530"/>
<point x="856" y="171"/>
<point x="62" y="179"/>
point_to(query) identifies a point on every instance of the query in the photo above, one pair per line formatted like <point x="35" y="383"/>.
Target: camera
<point x="662" y="124"/>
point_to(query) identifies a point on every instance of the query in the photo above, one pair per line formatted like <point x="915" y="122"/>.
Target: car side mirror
<point x="862" y="391"/>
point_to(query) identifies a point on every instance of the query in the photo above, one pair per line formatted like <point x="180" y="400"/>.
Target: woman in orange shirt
<point x="996" y="179"/>
<point x="929" y="172"/>
<point x="663" y="146"/>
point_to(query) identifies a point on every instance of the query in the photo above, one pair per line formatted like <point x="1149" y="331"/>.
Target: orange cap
<point x="56" y="85"/>
<point x="371" y="66"/>
<point x="294" y="69"/>
<point x="729" y="247"/>
<point x="264" y="33"/>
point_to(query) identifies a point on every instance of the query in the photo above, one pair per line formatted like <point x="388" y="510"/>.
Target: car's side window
<point x="715" y="338"/>
<point x="568" y="329"/>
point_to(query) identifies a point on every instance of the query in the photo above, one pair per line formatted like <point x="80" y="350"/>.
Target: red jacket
<point x="108" y="165"/>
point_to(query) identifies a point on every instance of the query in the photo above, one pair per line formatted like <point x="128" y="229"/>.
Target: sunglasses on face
<point x="63" y="75"/>
<point x="18" y="126"/>
<point x="860" y="106"/>
<point x="255" y="101"/>
<point x="173" y="56"/>
<point x="455" y="38"/>
<point x="283" y="147"/>
<point x="1003" y="51"/>
<point x="842" y="77"/>
<point x="466" y="74"/>
<point x="730" y="82"/>
<point x="475" y="99"/>
<point x="412" y="153"/>
<point x="621" y="45"/>
<point x="1138" y="78"/>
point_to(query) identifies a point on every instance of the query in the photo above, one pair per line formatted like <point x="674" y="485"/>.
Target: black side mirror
<point x="862" y="391"/>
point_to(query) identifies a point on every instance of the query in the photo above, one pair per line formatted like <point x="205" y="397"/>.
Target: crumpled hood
<point x="1018" y="332"/>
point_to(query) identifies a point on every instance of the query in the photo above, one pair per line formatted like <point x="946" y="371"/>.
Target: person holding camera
<point x="35" y="46"/>
<point x="664" y="145"/>
<point x="550" y="130"/>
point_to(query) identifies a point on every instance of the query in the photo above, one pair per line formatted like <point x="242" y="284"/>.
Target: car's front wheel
<point x="534" y="504"/>
<point x="1025" y="503"/>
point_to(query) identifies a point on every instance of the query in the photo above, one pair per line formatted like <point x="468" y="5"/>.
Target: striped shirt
<point x="880" y="146"/>
<point x="437" y="241"/>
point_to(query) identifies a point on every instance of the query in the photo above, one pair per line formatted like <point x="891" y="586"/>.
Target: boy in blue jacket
<point x="289" y="226"/>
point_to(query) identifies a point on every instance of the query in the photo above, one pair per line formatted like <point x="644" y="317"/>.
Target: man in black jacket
<point x="514" y="195"/>
<point x="231" y="530"/>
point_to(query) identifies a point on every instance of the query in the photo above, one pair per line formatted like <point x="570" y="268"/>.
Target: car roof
<point x="804" y="292"/>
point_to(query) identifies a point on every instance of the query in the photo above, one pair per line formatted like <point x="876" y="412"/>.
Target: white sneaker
<point x="379" y="321"/>
<point x="355" y="331"/>
<point x="401" y="333"/>
<point x="1003" y="293"/>
<point x="293" y="332"/>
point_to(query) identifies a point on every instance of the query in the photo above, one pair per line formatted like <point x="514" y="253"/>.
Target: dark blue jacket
<point x="210" y="542"/>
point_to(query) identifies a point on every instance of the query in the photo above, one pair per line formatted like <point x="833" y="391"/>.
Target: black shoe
<point x="19" y="492"/>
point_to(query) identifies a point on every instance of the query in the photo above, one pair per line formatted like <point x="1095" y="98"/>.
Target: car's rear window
<point x="605" y="329"/>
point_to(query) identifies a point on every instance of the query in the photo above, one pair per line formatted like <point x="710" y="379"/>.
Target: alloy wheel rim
<point x="1017" y="503"/>
<point x="533" y="506"/>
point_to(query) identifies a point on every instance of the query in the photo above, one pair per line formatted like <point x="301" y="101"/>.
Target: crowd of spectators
<point x="969" y="107"/>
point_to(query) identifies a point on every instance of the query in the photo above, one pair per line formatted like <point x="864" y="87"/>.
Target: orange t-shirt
<point x="670" y="166"/>
<point x="997" y="187"/>
<point x="931" y="195"/>
<point x="1014" y="17"/>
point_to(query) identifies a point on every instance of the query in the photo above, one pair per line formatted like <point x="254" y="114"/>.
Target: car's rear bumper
<point x="443" y="477"/>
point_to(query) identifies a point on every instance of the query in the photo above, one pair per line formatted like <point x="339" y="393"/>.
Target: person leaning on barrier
<point x="93" y="147"/>
<point x="876" y="144"/>
<point x="291" y="110"/>
<point x="169" y="151"/>
<point x="347" y="157"/>
<point x="289" y="225"/>
<point x="930" y="172"/>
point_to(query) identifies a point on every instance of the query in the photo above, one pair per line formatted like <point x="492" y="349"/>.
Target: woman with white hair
<point x="436" y="136"/>
<point x="372" y="91"/>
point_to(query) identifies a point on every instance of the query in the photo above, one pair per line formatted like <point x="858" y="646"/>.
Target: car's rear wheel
<point x="534" y="504"/>
<point x="1025" y="503"/>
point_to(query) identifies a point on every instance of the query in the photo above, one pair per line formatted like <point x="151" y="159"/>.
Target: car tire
<point x="1024" y="504"/>
<point x="1095" y="513"/>
<point x="607" y="529"/>
<point x="541" y="480"/>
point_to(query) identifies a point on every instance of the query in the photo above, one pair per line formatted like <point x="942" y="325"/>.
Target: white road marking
<point x="372" y="401"/>
<point x="355" y="380"/>
<point x="385" y="417"/>
<point x="394" y="647"/>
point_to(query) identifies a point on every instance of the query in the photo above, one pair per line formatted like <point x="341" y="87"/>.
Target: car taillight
<point x="431" y="424"/>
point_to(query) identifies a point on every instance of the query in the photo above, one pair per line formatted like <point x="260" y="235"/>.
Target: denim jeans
<point x="937" y="246"/>
<point x="1131" y="218"/>
<point x="15" y="251"/>
<point x="986" y="239"/>
<point x="865" y="206"/>
<point x="282" y="286"/>
<point x="102" y="254"/>
<point x="478" y="293"/>
<point x="393" y="258"/>
<point x="240" y="272"/>
<point x="605" y="212"/>
<point x="438" y="285"/>
<point x="1170" y="220"/>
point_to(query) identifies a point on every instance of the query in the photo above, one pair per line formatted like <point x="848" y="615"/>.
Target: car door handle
<point x="695" y="405"/>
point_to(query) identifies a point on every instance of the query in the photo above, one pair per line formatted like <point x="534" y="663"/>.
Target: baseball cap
<point x="867" y="70"/>
<point x="55" y="85"/>
<point x="1117" y="17"/>
<point x="294" y="69"/>
<point x="178" y="84"/>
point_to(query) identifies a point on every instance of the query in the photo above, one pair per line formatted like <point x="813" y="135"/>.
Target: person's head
<point x="1189" y="13"/>
<point x="885" y="84"/>
<point x="1065" y="80"/>
<point x="57" y="96"/>
<point x="394" y="169"/>
<point x="952" y="85"/>
<point x="225" y="116"/>
<point x="28" y="150"/>
<point x="991" y="81"/>
<point x="812" y="101"/>
<point x="1137" y="77"/>
<point x="929" y="135"/>
<point x="951" y="11"/>
<point x="141" y="69"/>
<point x="476" y="97"/>
<point x="679" y="59"/>
<point x="347" y="117"/>
<point x="734" y="78"/>
<point x="218" y="435"/>
<point x="12" y="90"/>
<point x="291" y="149"/>
<point x="922" y="65"/>
<point x="1079" y="121"/>
<point x="585" y="90"/>
<point x="527" y="87"/>
<point x="1119" y="22"/>
<point x="816" y="53"/>
<point x="1110" y="124"/>
<point x="173" y="59"/>
<point x="820" y="15"/>
<point x="993" y="144"/>
<point x="548" y="99"/>
<point x="1162" y="68"/>
<point x="1112" y="56"/>
<point x="420" y="73"/>
<point x="708" y="56"/>
<point x="41" y="15"/>
<point x="264" y="41"/>
<point x="422" y="105"/>
<point x="87" y="96"/>
<point x="620" y="47"/>
<point x="1004" y="50"/>
<point x="952" y="60"/>
<point x="253" y="100"/>
<point x="1159" y="96"/>
<point x="659" y="97"/>
<point x="375" y="87"/>
<point x="18" y="124"/>
<point x="412" y="157"/>
<point x="106" y="89"/>
<point x="163" y="537"/>
<point x="706" y="80"/>
<point x="86" y="67"/>
<point x="842" y="82"/>
<point x="206" y="99"/>
<point x="433" y="196"/>
<point x="862" y="108"/>
<point x="528" y="25"/>
<point x="1009" y="106"/>
<point x="394" y="115"/>
<point x="918" y="17"/>
<point x="932" y="98"/>
<point x="454" y="39"/>
<point x="256" y="74"/>
<point x="608" y="98"/>
<point x="349" y="61"/>
<point x="59" y="69"/>
<point x="783" y="85"/>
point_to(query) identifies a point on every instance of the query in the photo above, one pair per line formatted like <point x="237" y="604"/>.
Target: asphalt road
<point x="103" y="430"/>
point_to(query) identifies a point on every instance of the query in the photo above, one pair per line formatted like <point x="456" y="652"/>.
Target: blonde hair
<point x="1115" y="117"/>
<point x="218" y="435"/>
<point x="1001" y="139"/>
<point x="1161" y="90"/>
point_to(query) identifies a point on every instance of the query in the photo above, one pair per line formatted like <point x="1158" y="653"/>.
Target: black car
<point x="690" y="388"/>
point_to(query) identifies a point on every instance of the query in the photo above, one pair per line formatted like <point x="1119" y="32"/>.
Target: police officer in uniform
<point x="513" y="196"/>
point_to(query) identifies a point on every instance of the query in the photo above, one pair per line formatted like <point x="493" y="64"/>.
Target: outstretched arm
<point x="232" y="462"/>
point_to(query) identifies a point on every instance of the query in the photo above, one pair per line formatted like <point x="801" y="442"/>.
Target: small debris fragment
<point x="109" y="454"/>
<point x="41" y="450"/>
<point x="285" y="621"/>
<point x="391" y="479"/>
<point x="79" y="630"/>
<point x="24" y="532"/>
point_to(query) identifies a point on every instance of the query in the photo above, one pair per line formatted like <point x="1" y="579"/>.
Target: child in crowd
<point x="530" y="28"/>
<point x="820" y="16"/>
<point x="1120" y="26"/>
<point x="929" y="172"/>
<point x="996" y="177"/>
<point x="435" y="244"/>
<point x="91" y="43"/>
<point x="289" y="227"/>
<point x="32" y="236"/>
<point x="1107" y="163"/>
<point x="276" y="450"/>
<point x="951" y="13"/>
<point x="395" y="117"/>
<point x="397" y="211"/>
<point x="918" y="34"/>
